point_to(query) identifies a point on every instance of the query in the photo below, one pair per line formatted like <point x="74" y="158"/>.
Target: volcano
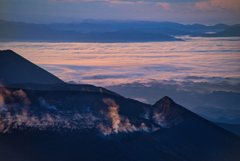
<point x="73" y="124"/>
<point x="18" y="72"/>
<point x="16" y="69"/>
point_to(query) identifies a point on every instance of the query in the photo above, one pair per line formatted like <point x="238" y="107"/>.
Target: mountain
<point x="90" y="20"/>
<point x="223" y="120"/>
<point x="13" y="31"/>
<point x="16" y="69"/>
<point x="61" y="87"/>
<point x="74" y="125"/>
<point x="65" y="125"/>
<point x="126" y="35"/>
<point x="18" y="72"/>
<point x="234" y="128"/>
<point x="91" y="25"/>
<point x="92" y="31"/>
<point x="166" y="31"/>
<point x="233" y="31"/>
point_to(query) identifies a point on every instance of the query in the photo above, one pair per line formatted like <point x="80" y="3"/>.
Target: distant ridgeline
<point x="48" y="119"/>
<point x="18" y="72"/>
<point x="233" y="31"/>
<point x="107" y="31"/>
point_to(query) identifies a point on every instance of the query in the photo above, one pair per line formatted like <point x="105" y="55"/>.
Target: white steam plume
<point x="119" y="124"/>
<point x="15" y="97"/>
<point x="113" y="114"/>
<point x="43" y="103"/>
<point x="47" y="121"/>
<point x="17" y="114"/>
<point x="3" y="107"/>
<point x="159" y="119"/>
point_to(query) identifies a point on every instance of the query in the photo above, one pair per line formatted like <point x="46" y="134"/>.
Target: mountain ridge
<point x="13" y="31"/>
<point x="60" y="125"/>
<point x="18" y="72"/>
<point x="14" y="68"/>
<point x="233" y="31"/>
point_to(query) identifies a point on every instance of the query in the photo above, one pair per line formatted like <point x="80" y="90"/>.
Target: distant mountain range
<point x="42" y="123"/>
<point x="13" y="31"/>
<point x="91" y="31"/>
<point x="233" y="31"/>
<point x="103" y="26"/>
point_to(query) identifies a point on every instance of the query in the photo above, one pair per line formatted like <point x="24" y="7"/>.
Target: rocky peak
<point x="167" y="112"/>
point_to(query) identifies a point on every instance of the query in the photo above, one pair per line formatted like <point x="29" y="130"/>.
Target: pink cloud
<point x="166" y="6"/>
<point x="219" y="5"/>
<point x="121" y="2"/>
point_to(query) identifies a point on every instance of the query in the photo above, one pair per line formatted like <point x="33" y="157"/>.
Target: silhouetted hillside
<point x="18" y="72"/>
<point x="12" y="31"/>
<point x="126" y="35"/>
<point x="16" y="69"/>
<point x="233" y="31"/>
<point x="234" y="128"/>
<point x="103" y="31"/>
<point x="65" y="124"/>
<point x="103" y="26"/>
<point x="166" y="31"/>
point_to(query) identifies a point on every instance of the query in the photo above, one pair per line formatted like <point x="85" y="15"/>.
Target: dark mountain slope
<point x="165" y="31"/>
<point x="16" y="69"/>
<point x="126" y="35"/>
<point x="18" y="72"/>
<point x="60" y="125"/>
<point x="61" y="87"/>
<point x="13" y="31"/>
<point x="194" y="140"/>
<point x="234" y="128"/>
<point x="233" y="31"/>
<point x="188" y="136"/>
<point x="197" y="138"/>
<point x="171" y="113"/>
<point x="103" y="26"/>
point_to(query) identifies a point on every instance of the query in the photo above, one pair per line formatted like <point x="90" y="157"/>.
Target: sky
<point x="206" y="12"/>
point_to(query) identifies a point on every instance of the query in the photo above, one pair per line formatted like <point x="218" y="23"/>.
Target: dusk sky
<point x="206" y="12"/>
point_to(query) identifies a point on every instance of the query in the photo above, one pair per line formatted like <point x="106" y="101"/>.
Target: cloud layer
<point x="195" y="73"/>
<point x="196" y="59"/>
